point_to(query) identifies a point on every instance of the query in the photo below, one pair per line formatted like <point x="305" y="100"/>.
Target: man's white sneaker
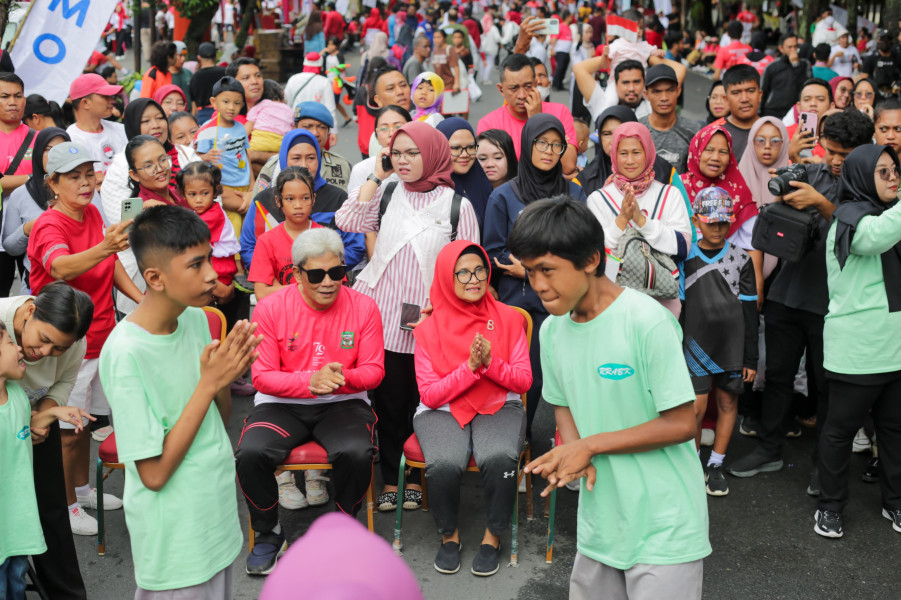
<point x="81" y="522"/>
<point x="110" y="502"/>
<point x="708" y="436"/>
<point x="288" y="495"/>
<point x="316" y="492"/>
<point x="861" y="442"/>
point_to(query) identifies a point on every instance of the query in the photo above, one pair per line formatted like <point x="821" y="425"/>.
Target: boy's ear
<point x="595" y="262"/>
<point x="153" y="276"/>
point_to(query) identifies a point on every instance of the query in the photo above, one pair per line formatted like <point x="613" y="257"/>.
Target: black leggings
<point x="395" y="401"/>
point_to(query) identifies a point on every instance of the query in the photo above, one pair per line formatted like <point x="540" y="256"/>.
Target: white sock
<point x="277" y="529"/>
<point x="73" y="506"/>
<point x="716" y="459"/>
<point x="84" y="490"/>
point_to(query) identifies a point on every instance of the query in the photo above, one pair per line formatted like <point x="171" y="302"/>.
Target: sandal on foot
<point x="387" y="501"/>
<point x="412" y="499"/>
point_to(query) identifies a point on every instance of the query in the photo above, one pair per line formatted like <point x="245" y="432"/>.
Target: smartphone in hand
<point x="131" y="208"/>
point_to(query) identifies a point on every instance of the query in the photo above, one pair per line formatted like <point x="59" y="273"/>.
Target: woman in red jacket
<point x="472" y="364"/>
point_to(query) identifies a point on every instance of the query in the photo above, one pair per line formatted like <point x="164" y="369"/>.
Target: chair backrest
<point x="217" y="323"/>
<point x="528" y="324"/>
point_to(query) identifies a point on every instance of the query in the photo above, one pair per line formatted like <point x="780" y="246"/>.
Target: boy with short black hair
<point x="623" y="403"/>
<point x="20" y="527"/>
<point x="224" y="134"/>
<point x="718" y="289"/>
<point x="180" y="499"/>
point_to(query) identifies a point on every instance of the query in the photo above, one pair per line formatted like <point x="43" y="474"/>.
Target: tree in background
<point x="200" y="13"/>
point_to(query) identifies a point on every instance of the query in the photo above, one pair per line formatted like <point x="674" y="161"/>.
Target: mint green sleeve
<point x="551" y="390"/>
<point x="664" y="364"/>
<point x="676" y="182"/>
<point x="877" y="234"/>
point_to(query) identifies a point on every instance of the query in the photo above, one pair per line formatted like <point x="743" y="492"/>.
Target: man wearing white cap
<point x="92" y="100"/>
<point x="181" y="76"/>
<point x="311" y="85"/>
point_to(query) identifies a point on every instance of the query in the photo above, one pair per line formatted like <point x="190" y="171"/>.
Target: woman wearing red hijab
<point x="373" y="21"/>
<point x="472" y="364"/>
<point x="411" y="233"/>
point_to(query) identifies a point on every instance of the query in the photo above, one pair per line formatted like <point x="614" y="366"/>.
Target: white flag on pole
<point x="56" y="42"/>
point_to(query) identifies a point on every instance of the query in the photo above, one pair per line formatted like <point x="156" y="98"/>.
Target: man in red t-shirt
<point x="728" y="55"/>
<point x="322" y="349"/>
<point x="13" y="133"/>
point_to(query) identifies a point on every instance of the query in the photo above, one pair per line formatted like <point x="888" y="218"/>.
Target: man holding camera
<point x="798" y="297"/>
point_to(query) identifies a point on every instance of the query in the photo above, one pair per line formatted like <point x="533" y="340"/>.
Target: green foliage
<point x="191" y="9"/>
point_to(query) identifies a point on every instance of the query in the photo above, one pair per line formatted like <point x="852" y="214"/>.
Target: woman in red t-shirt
<point x="68" y="242"/>
<point x="273" y="266"/>
<point x="150" y="172"/>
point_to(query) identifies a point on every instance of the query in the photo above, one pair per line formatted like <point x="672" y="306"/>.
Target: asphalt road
<point x="762" y="533"/>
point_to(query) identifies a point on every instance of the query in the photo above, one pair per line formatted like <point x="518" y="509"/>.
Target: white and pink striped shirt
<point x="402" y="280"/>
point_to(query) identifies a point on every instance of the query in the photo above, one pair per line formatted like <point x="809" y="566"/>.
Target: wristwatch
<point x="372" y="177"/>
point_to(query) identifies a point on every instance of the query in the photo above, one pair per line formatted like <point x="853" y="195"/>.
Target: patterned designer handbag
<point x="644" y="269"/>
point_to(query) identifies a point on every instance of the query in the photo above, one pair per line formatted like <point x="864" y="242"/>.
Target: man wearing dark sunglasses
<point x="322" y="350"/>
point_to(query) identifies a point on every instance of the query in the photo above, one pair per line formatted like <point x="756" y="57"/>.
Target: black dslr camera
<point x="779" y="185"/>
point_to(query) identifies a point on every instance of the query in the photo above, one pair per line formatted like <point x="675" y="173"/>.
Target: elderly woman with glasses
<point x="540" y="176"/>
<point x="322" y="351"/>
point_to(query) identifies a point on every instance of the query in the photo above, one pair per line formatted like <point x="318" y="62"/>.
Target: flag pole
<point x="12" y="42"/>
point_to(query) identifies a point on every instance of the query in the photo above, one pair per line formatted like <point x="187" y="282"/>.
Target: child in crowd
<point x="428" y="91"/>
<point x="333" y="60"/>
<point x="718" y="290"/>
<point x="180" y="498"/>
<point x="230" y="138"/>
<point x="199" y="183"/>
<point x="20" y="531"/>
<point x="269" y="119"/>
<point x="623" y="403"/>
<point x="583" y="133"/>
<point x="273" y="267"/>
<point x="182" y="128"/>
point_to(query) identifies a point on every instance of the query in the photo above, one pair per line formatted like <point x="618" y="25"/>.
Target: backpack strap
<point x="386" y="199"/>
<point x="20" y="154"/>
<point x="455" y="215"/>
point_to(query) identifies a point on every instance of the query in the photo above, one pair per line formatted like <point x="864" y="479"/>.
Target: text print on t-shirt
<point x="615" y="371"/>
<point x="318" y="355"/>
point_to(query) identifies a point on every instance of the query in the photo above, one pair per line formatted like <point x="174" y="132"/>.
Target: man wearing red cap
<point x="93" y="100"/>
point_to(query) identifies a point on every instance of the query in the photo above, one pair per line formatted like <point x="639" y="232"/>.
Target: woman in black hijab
<point x="540" y="176"/>
<point x="861" y="341"/>
<point x="470" y="180"/>
<point x="594" y="176"/>
<point x="26" y="203"/>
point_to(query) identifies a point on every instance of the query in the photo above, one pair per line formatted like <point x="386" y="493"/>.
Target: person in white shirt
<point x="844" y="58"/>
<point x="491" y="46"/>
<point x="311" y="85"/>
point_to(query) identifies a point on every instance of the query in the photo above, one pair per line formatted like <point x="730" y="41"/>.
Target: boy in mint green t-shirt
<point x="167" y="385"/>
<point x="20" y="528"/>
<point x="624" y="405"/>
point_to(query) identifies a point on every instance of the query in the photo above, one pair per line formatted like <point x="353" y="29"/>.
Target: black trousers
<point x="395" y="401"/>
<point x="849" y="405"/>
<point x="8" y="266"/>
<point x="560" y="72"/>
<point x="57" y="568"/>
<point x="788" y="332"/>
<point x="272" y="430"/>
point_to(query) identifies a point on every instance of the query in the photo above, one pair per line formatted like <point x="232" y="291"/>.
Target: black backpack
<point x="786" y="232"/>
<point x="454" y="212"/>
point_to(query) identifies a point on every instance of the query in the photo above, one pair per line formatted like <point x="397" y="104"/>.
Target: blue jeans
<point x="12" y="577"/>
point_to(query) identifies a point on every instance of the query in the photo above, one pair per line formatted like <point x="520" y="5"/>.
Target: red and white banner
<point x="623" y="28"/>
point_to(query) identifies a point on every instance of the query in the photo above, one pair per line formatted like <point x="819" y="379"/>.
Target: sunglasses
<point x="318" y="275"/>
<point x="887" y="173"/>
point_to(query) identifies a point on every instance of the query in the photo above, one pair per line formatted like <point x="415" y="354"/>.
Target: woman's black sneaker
<point x="828" y="523"/>
<point x="871" y="473"/>
<point x="486" y="561"/>
<point x="448" y="559"/>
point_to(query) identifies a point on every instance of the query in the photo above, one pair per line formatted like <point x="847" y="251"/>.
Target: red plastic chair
<point x="413" y="458"/>
<point x="108" y="455"/>
<point x="313" y="456"/>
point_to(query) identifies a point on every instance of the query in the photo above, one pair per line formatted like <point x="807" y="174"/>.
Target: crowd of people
<point x="750" y="262"/>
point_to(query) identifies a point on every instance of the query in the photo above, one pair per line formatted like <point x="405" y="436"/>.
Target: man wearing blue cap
<point x="317" y="119"/>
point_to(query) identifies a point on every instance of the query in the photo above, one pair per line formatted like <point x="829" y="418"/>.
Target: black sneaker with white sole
<point x="716" y="481"/>
<point x="871" y="472"/>
<point x="756" y="462"/>
<point x="828" y="523"/>
<point x="749" y="426"/>
<point x="486" y="561"/>
<point x="893" y="515"/>
<point x="448" y="559"/>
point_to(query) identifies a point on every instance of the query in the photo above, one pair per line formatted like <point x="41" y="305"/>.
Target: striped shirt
<point x="402" y="280"/>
